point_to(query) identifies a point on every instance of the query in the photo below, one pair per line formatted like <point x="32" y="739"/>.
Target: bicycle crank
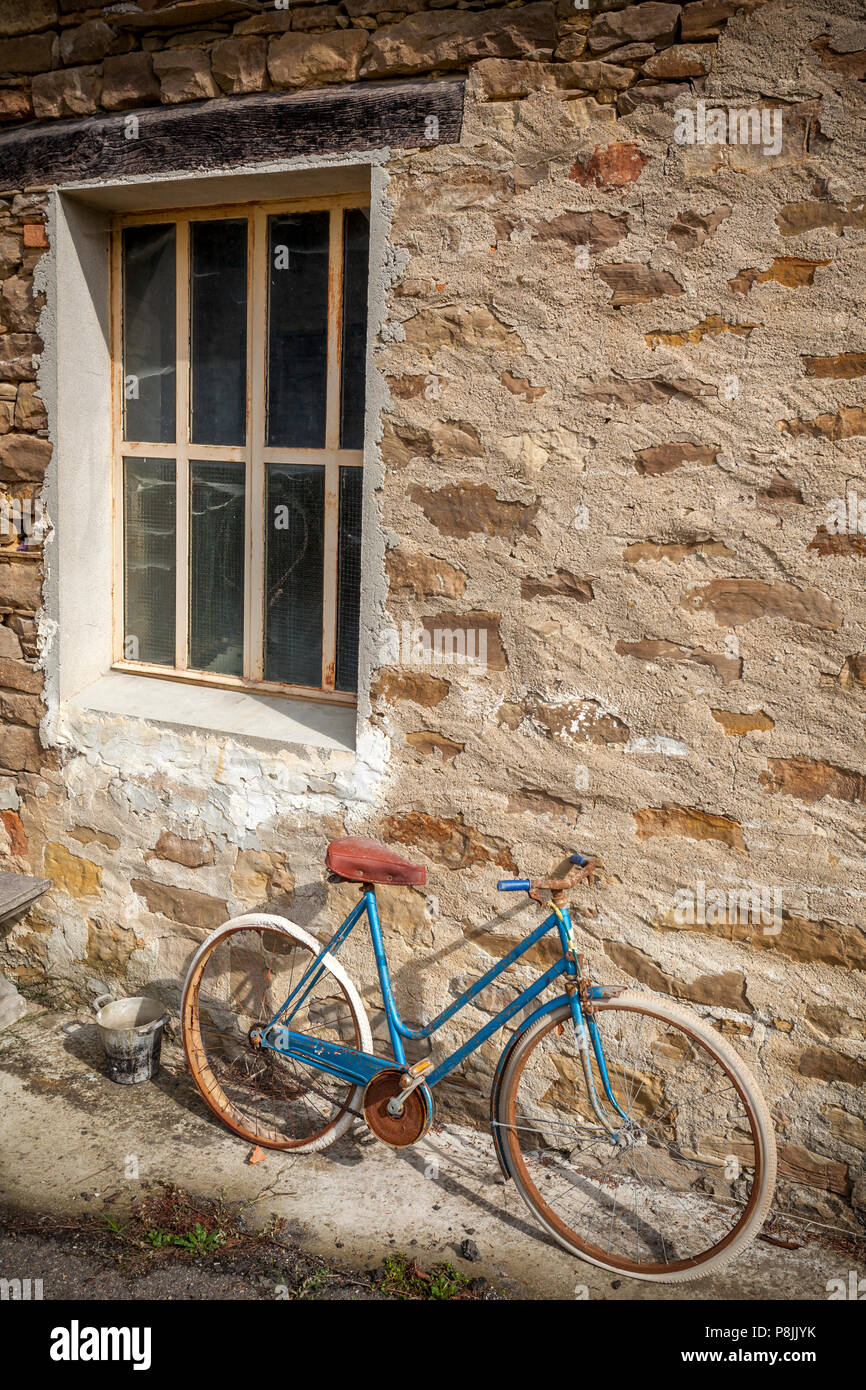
<point x="416" y="1114"/>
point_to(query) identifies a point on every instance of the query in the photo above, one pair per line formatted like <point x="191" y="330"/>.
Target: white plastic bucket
<point x="131" y="1031"/>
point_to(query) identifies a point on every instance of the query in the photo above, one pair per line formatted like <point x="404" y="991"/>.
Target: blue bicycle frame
<point x="359" y="1067"/>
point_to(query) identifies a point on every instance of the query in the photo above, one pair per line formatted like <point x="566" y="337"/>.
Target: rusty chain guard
<point x="396" y="1130"/>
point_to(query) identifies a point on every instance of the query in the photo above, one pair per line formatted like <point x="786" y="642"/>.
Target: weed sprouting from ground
<point x="402" y="1277"/>
<point x="167" y="1217"/>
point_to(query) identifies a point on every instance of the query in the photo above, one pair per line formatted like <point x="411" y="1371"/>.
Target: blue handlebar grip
<point x="578" y="859"/>
<point x="513" y="885"/>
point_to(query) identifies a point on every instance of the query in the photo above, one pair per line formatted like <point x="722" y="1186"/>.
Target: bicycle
<point x="635" y="1134"/>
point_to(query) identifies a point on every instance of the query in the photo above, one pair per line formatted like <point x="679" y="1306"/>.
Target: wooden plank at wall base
<point x="18" y="891"/>
<point x="234" y="130"/>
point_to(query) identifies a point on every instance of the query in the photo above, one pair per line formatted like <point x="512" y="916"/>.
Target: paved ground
<point x="68" y="1271"/>
<point x="81" y="1259"/>
<point x="73" y="1142"/>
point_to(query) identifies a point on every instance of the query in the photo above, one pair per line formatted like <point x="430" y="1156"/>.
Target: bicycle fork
<point x="586" y="1032"/>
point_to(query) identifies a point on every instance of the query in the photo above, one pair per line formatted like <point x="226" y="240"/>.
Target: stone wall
<point x="625" y="443"/>
<point x="65" y="60"/>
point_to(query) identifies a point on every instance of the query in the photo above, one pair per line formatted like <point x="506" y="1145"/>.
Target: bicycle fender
<point x="500" y="1072"/>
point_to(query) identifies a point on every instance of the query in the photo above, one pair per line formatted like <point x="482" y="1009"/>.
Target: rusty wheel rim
<point x="261" y="1094"/>
<point x="568" y="1235"/>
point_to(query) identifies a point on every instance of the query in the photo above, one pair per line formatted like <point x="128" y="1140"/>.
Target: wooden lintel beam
<point x="234" y="131"/>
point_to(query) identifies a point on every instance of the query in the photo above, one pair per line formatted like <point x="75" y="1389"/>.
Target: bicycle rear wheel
<point x="238" y="979"/>
<point x="687" y="1181"/>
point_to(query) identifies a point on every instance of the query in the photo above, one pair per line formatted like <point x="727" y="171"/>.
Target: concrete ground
<point x="72" y="1140"/>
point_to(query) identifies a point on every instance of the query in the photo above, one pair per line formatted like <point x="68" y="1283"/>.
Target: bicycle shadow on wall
<point x="308" y="907"/>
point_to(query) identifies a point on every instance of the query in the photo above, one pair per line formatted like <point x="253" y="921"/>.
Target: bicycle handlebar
<point x="529" y="885"/>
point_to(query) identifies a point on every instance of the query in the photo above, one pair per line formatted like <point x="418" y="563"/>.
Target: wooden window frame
<point x="254" y="455"/>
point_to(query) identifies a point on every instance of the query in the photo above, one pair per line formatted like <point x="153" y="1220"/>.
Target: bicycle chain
<point x="330" y="1099"/>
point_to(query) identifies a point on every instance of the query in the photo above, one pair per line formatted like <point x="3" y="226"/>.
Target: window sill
<point x="253" y="718"/>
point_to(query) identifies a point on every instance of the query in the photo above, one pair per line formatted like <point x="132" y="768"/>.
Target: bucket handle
<point x="100" y="1000"/>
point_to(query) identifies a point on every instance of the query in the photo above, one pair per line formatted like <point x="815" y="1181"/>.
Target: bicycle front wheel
<point x="238" y="980"/>
<point x="683" y="1183"/>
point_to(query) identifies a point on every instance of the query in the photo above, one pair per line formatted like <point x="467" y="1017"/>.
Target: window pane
<point x="293" y="596"/>
<point x="297" y="330"/>
<point x="148" y="560"/>
<point x="216" y="567"/>
<point x="218" y="329"/>
<point x="349" y="579"/>
<point x="356" y="255"/>
<point x="149" y="333"/>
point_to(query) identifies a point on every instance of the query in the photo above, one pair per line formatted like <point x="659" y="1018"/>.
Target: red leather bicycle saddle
<point x="366" y="861"/>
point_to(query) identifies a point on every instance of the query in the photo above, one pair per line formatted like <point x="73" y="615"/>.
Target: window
<point x="240" y="339"/>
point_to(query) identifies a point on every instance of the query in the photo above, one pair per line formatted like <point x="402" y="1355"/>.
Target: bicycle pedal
<point x="417" y="1068"/>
